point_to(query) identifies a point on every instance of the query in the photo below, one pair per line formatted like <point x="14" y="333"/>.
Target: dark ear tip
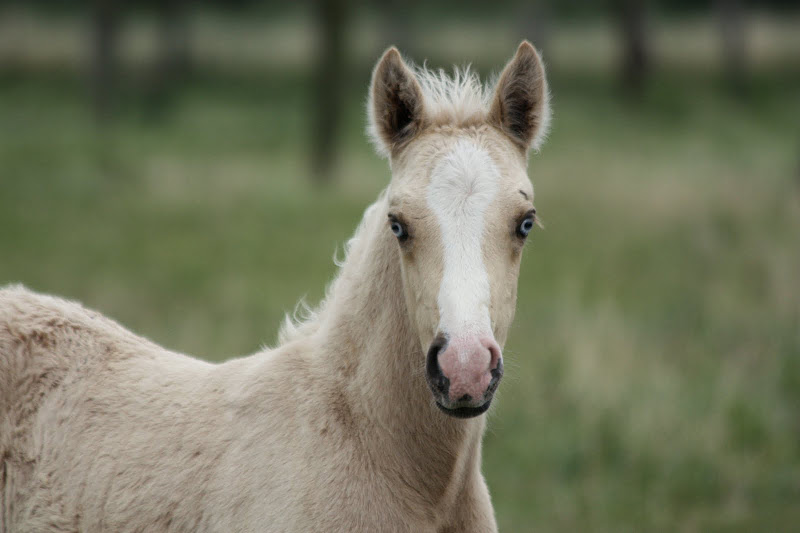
<point x="391" y="54"/>
<point x="525" y="45"/>
<point x="526" y="50"/>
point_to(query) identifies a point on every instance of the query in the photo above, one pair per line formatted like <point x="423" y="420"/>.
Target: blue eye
<point x="399" y="229"/>
<point x="525" y="227"/>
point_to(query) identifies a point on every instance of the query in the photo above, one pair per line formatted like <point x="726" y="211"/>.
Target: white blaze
<point x="461" y="189"/>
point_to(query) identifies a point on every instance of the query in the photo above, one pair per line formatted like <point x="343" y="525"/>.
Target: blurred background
<point x="189" y="168"/>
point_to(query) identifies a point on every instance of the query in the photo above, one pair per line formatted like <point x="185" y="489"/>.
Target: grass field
<point x="653" y="372"/>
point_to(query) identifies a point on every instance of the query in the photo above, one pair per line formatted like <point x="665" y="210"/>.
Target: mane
<point x="305" y="320"/>
<point x="457" y="99"/>
<point x="462" y="99"/>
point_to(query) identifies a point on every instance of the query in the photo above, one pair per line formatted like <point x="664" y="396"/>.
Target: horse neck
<point x="374" y="355"/>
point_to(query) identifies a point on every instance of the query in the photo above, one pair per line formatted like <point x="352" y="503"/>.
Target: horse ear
<point x="520" y="105"/>
<point x="395" y="103"/>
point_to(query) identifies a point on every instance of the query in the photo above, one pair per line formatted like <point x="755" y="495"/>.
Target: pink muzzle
<point x="463" y="373"/>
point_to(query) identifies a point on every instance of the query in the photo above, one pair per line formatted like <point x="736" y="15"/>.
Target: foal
<point x="366" y="418"/>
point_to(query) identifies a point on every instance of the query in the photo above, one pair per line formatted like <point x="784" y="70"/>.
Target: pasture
<point x="653" y="370"/>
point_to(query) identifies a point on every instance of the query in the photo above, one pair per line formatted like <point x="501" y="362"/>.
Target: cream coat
<point x="335" y="430"/>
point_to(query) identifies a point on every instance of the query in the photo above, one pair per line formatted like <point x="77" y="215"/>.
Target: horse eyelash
<point x="535" y="216"/>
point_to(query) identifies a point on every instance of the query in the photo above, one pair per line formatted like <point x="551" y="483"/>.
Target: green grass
<point x="653" y="371"/>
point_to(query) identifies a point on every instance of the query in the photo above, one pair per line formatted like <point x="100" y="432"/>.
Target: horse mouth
<point x="465" y="412"/>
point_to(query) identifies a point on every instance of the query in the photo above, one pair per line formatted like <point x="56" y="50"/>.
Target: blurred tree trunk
<point x="105" y="30"/>
<point x="331" y="19"/>
<point x="173" y="61"/>
<point x="635" y="49"/>
<point x="734" y="41"/>
<point x="174" y="38"/>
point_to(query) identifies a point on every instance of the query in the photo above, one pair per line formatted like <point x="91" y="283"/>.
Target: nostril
<point x="439" y="343"/>
<point x="497" y="374"/>
<point x="495" y="356"/>
<point x="436" y="378"/>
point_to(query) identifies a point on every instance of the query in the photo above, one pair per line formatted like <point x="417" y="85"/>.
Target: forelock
<point x="457" y="99"/>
